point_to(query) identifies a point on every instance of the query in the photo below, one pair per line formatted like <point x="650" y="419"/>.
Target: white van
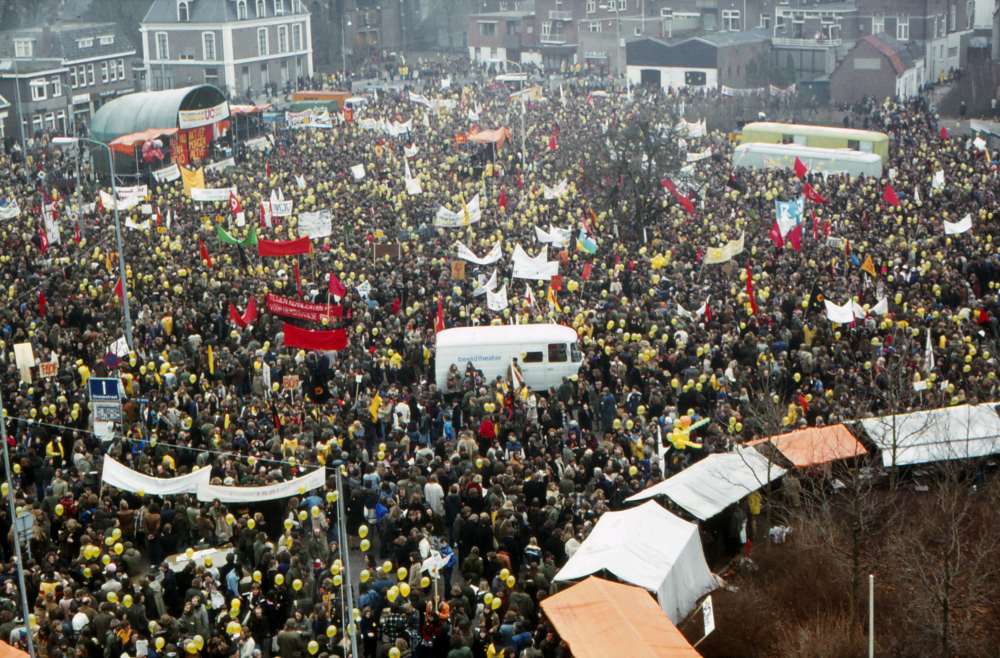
<point x="823" y="161"/>
<point x="545" y="352"/>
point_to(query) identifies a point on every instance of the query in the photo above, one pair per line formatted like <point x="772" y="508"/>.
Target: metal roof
<point x="213" y="11"/>
<point x="65" y="41"/>
<point x="153" y="109"/>
<point x="755" y="35"/>
<point x="505" y="335"/>
<point x="898" y="53"/>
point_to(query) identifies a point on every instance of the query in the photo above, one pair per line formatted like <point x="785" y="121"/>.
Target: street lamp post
<point x="343" y="47"/>
<point x="521" y="81"/>
<point x="70" y="121"/>
<point x="348" y="617"/>
<point x="618" y="36"/>
<point x="118" y="229"/>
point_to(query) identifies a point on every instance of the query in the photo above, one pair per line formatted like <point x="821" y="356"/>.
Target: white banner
<point x="126" y="479"/>
<point x="482" y="287"/>
<point x="141" y="191"/>
<point x="258" y="144"/>
<point x="954" y="228"/>
<point x="210" y="492"/>
<point x="725" y="253"/>
<point x="127" y="203"/>
<point x="413" y="186"/>
<point x="555" y="192"/>
<point x="842" y="314"/>
<point x="316" y="224"/>
<point x="358" y="171"/>
<point x="282" y="208"/>
<point x="167" y="174"/>
<point x="409" y="151"/>
<point x="539" y="267"/>
<point x="9" y="209"/>
<point x="498" y="301"/>
<point x="445" y="218"/>
<point x="558" y="237"/>
<point x="496" y="253"/>
<point x="216" y="194"/>
<point x="142" y="226"/>
<point x="422" y="100"/>
<point x="221" y="165"/>
<point x="698" y="157"/>
<point x="206" y="117"/>
<point x="51" y="225"/>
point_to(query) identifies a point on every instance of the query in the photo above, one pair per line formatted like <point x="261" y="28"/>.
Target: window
<point x="282" y="38"/>
<point x="731" y="20"/>
<point x="638" y="31"/>
<point x="622" y="5"/>
<point x="72" y="77"/>
<point x="546" y="28"/>
<point x="112" y="71"/>
<point x="81" y="75"/>
<point x="36" y="122"/>
<point x="494" y="53"/>
<point x="241" y="10"/>
<point x="50" y="121"/>
<point x="591" y="6"/>
<point x="487" y="29"/>
<point x="765" y="21"/>
<point x="212" y="77"/>
<point x="296" y="37"/>
<point x="558" y="353"/>
<point x="208" y="45"/>
<point x="121" y="69"/>
<point x="38" y="90"/>
<point x="56" y="86"/>
<point x="104" y="72"/>
<point x="107" y="41"/>
<point x="85" y="43"/>
<point x="162" y="46"/>
<point x="183" y="13"/>
<point x="970" y="12"/>
<point x="23" y="47"/>
<point x="265" y="78"/>
<point x="532" y="357"/>
<point x="878" y="24"/>
<point x="595" y="26"/>
<point x="903" y="29"/>
<point x="90" y="75"/>
<point x="503" y="6"/>
<point x="940" y="25"/>
<point x="261" y="10"/>
<point x="695" y="78"/>
<point x="531" y="28"/>
<point x="952" y="17"/>
<point x="953" y="51"/>
<point x="262" y="41"/>
<point x="279" y="7"/>
<point x="667" y="12"/>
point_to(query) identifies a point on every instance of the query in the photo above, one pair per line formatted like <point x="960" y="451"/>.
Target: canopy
<point x="247" y="109"/>
<point x="962" y="432"/>
<point x="817" y="445"/>
<point x="7" y="651"/>
<point x="156" y="109"/>
<point x="126" y="479"/>
<point x="125" y="143"/>
<point x="707" y="487"/>
<point x="649" y="547"/>
<point x="294" y="487"/>
<point x="498" y="136"/>
<point x="598" y="619"/>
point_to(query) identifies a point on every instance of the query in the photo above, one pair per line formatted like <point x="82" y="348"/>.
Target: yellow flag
<point x="552" y="300"/>
<point x="211" y="360"/>
<point x="465" y="212"/>
<point x="226" y="424"/>
<point x="868" y="266"/>
<point x="192" y="179"/>
<point x="373" y="409"/>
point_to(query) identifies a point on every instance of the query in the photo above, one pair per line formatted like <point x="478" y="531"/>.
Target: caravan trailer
<point x="545" y="353"/>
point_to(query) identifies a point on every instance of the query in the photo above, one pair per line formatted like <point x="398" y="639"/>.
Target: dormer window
<point x="261" y="10"/>
<point x="107" y="41"/>
<point x="23" y="48"/>
<point x="183" y="11"/>
<point x="279" y="7"/>
<point x="85" y="43"/>
<point x="241" y="10"/>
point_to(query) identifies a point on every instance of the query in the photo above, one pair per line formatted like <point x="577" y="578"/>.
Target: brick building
<point x="878" y="66"/>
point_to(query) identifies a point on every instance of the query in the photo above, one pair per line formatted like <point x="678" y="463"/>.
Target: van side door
<point x="558" y="357"/>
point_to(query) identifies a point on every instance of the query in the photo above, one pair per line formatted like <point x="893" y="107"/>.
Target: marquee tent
<point x="817" y="445"/>
<point x="707" y="487"/>
<point x="961" y="432"/>
<point x="651" y="548"/>
<point x="598" y="618"/>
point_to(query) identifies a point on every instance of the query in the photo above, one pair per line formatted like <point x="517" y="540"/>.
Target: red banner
<point x="301" y="246"/>
<point x="328" y="341"/>
<point x="192" y="144"/>
<point x="293" y="308"/>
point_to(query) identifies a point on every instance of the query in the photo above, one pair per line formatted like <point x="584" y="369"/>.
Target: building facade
<point x="62" y="72"/>
<point x="702" y="62"/>
<point x="879" y="66"/>
<point x="239" y="46"/>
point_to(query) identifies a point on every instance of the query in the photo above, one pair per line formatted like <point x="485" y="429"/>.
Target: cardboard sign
<point x="48" y="369"/>
<point x="290" y="382"/>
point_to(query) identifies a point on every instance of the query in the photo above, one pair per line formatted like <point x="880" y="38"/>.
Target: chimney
<point x="46" y="41"/>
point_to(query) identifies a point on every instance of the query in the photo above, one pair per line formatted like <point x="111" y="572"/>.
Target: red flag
<point x="982" y="319"/>
<point x="826" y="228"/>
<point x="795" y="238"/>
<point x="234" y="204"/>
<point x="324" y="341"/>
<point x="298" y="279"/>
<point x="158" y="216"/>
<point x="587" y="269"/>
<point x="268" y="169"/>
<point x="944" y="133"/>
<point x="249" y="317"/>
<point x="753" y="300"/>
<point x="775" y="235"/>
<point x="503" y="200"/>
<point x="813" y="195"/>
<point x="348" y="115"/>
<point x="337" y="288"/>
<point x="265" y="214"/>
<point x="800" y="169"/>
<point x="119" y="290"/>
<point x="204" y="253"/>
<point x="41" y="304"/>
<point x="590" y="98"/>
<point x="708" y="313"/>
<point x="520" y="183"/>
<point x="552" y="141"/>
<point x="815" y="225"/>
<point x="669" y="184"/>
<point x="890" y="196"/>
<point x="556" y="282"/>
<point x="76" y="232"/>
<point x="43" y="240"/>
<point x="439" y="319"/>
<point x="848" y="248"/>
<point x="100" y="205"/>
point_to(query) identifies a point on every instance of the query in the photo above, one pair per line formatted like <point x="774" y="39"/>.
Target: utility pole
<point x="349" y="626"/>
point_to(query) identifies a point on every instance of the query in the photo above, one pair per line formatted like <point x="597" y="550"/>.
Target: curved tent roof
<point x="152" y="109"/>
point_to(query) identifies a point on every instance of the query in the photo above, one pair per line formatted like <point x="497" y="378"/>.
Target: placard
<point x="290" y="382"/>
<point x="48" y="369"/>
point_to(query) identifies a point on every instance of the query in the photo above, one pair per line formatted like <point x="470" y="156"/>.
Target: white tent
<point x="707" y="487"/>
<point x="651" y="548"/>
<point x="961" y="432"/>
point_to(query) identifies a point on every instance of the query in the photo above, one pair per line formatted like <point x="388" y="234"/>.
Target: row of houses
<point x="811" y="38"/>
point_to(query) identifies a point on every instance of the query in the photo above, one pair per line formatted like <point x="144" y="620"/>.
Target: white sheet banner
<point x="222" y="165"/>
<point x="167" y="174"/>
<point x="141" y="226"/>
<point x="842" y="314"/>
<point x="409" y="151"/>
<point x="217" y="194"/>
<point x="413" y="186"/>
<point x="954" y="228"/>
<point x="698" y="157"/>
<point x="282" y="208"/>
<point x="358" y="171"/>
<point x="210" y="492"/>
<point x="555" y="192"/>
<point x="205" y="117"/>
<point x="316" y="224"/>
<point x="422" y="100"/>
<point x="140" y="191"/>
<point x="126" y="479"/>
<point x="127" y="203"/>
<point x="498" y="301"/>
<point x="496" y="253"/>
<point x="445" y="218"/>
<point x="9" y="209"/>
<point x="539" y="267"/>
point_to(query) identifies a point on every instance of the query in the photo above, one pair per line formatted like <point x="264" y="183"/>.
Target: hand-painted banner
<point x="167" y="174"/>
<point x="215" y="194"/>
<point x="293" y="308"/>
<point x="324" y="341"/>
<point x="203" y="117"/>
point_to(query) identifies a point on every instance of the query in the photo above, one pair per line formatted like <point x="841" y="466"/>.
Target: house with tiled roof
<point x="880" y="67"/>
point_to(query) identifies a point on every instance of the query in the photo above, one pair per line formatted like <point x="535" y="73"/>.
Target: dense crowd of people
<point x="493" y="486"/>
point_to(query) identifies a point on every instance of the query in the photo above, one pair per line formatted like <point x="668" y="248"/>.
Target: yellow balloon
<point x="112" y="597"/>
<point x="160" y="642"/>
<point x="497" y="603"/>
<point x="365" y="545"/>
<point x="425" y="582"/>
<point x="393" y="652"/>
<point x="235" y="603"/>
<point x="363" y="531"/>
<point x="387" y="567"/>
<point x="331" y="630"/>
<point x="119" y="548"/>
<point x="117" y="534"/>
<point x="296" y="584"/>
<point x="279" y="579"/>
<point x="257" y="576"/>
<point x="504" y="573"/>
<point x="59" y="509"/>
<point x="365" y="576"/>
<point x="314" y="647"/>
<point x="401" y="573"/>
<point x="127" y="601"/>
<point x="510" y="581"/>
<point x="404" y="589"/>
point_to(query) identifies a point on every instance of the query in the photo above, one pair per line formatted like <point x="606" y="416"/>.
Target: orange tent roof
<point x="598" y="618"/>
<point x="487" y="136"/>
<point x="817" y="445"/>
<point x="247" y="109"/>
<point x="125" y="143"/>
<point x="7" y="651"/>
